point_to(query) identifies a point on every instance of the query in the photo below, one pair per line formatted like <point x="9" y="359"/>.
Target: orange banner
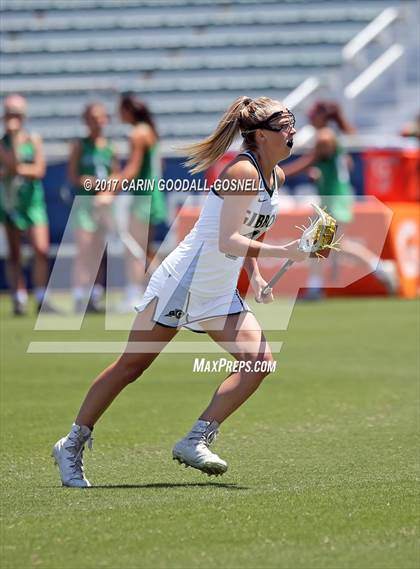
<point x="403" y="245"/>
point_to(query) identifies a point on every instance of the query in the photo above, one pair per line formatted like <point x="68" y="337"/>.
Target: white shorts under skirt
<point x="178" y="307"/>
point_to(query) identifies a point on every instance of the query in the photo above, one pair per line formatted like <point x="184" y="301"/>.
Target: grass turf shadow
<point x="157" y="485"/>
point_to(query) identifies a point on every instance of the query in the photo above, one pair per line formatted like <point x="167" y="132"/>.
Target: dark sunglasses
<point x="266" y="123"/>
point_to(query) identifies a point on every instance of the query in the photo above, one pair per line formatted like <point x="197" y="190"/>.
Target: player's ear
<point x="260" y="135"/>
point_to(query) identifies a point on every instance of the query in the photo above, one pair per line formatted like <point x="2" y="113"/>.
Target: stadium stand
<point x="187" y="58"/>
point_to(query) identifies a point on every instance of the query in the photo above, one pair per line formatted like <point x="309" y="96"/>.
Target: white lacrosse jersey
<point x="198" y="264"/>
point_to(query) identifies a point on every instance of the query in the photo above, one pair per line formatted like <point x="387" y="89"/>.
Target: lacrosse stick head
<point x="318" y="238"/>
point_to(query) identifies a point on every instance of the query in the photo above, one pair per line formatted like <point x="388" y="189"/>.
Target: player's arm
<point x="7" y="161"/>
<point x="257" y="282"/>
<point x="250" y="263"/>
<point x="234" y="211"/>
<point x="325" y="147"/>
<point x="251" y="267"/>
<point x="37" y="169"/>
<point x="300" y="165"/>
<point x="73" y="173"/>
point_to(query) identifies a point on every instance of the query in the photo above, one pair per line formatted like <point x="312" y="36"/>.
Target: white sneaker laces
<point x="204" y="438"/>
<point x="75" y="457"/>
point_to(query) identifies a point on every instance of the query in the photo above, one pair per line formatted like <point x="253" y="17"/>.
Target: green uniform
<point x="93" y="161"/>
<point x="22" y="201"/>
<point x="152" y="210"/>
<point x="334" y="186"/>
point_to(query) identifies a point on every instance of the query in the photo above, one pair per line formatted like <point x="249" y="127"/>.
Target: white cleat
<point x="387" y="273"/>
<point x="193" y="450"/>
<point x="68" y="456"/>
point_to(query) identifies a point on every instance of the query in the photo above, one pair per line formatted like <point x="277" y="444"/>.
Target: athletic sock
<point x="200" y="427"/>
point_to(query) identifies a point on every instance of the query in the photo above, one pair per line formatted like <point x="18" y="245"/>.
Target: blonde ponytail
<point x="202" y="154"/>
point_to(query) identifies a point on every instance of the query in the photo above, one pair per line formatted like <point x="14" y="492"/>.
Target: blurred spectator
<point x="328" y="166"/>
<point x="22" y="203"/>
<point x="147" y="209"/>
<point x="91" y="158"/>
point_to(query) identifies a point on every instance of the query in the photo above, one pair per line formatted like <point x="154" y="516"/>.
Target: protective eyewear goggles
<point x="276" y="122"/>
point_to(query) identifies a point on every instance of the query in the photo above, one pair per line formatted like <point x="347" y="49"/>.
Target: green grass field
<point x="323" y="459"/>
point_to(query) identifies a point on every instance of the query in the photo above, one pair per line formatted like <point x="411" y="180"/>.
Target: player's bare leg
<point x="39" y="236"/>
<point x="243" y="338"/>
<point x="138" y="270"/>
<point x="90" y="245"/>
<point x="126" y="369"/>
<point x="17" y="282"/>
<point x="68" y="451"/>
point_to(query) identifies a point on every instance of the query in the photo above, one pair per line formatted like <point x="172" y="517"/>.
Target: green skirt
<point x="28" y="210"/>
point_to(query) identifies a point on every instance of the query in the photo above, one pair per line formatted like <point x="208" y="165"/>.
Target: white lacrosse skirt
<point x="177" y="306"/>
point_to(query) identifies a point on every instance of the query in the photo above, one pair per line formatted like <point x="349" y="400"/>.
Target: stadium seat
<point x="187" y="58"/>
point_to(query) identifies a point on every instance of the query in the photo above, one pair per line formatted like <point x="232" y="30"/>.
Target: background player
<point x="328" y="166"/>
<point x="90" y="157"/>
<point x="22" y="204"/>
<point x="147" y="209"/>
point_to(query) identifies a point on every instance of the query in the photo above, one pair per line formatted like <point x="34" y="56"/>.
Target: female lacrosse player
<point x="148" y="208"/>
<point x="22" y="203"/>
<point x="90" y="157"/>
<point x="328" y="166"/>
<point x="195" y="286"/>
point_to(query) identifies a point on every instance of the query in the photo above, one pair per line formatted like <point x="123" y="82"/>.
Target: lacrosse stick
<point x="317" y="240"/>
